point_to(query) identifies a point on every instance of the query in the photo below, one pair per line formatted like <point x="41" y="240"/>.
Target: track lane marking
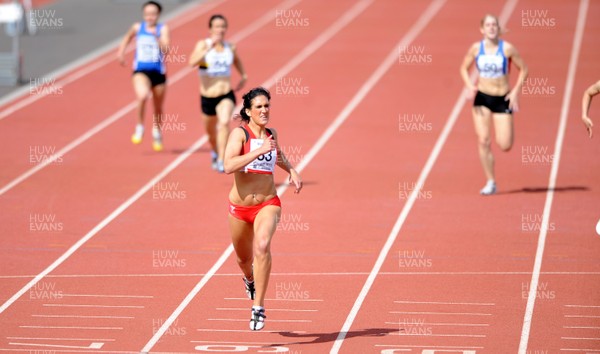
<point x="539" y="254"/>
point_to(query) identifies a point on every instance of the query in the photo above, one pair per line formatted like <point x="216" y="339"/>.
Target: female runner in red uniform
<point x="254" y="207"/>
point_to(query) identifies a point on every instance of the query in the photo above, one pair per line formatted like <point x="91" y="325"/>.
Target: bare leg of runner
<point x="210" y="126"/>
<point x="503" y="125"/>
<point x="242" y="235"/>
<point x="158" y="97"/>
<point x="265" y="225"/>
<point x="224" y="112"/>
<point x="142" y="87"/>
<point x="482" y="118"/>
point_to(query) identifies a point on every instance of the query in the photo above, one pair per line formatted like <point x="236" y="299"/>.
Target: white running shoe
<point x="257" y="321"/>
<point x="136" y="138"/>
<point x="249" y="288"/>
<point x="157" y="144"/>
<point x="489" y="188"/>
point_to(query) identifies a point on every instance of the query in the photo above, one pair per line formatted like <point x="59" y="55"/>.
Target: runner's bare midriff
<point x="252" y="188"/>
<point x="493" y="86"/>
<point x="214" y="86"/>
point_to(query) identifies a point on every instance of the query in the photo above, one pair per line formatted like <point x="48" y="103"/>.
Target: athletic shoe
<point x="220" y="166"/>
<point x="157" y="144"/>
<point x="257" y="321"/>
<point x="489" y="188"/>
<point x="136" y="138"/>
<point x="213" y="157"/>
<point x="249" y="288"/>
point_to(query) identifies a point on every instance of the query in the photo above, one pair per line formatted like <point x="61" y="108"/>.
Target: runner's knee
<point x="505" y="145"/>
<point x="484" y="142"/>
<point x="262" y="246"/>
<point x="244" y="259"/>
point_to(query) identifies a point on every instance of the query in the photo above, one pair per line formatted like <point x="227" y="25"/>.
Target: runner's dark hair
<point x="248" y="97"/>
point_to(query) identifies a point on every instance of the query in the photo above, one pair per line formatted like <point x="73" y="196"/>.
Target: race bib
<point x="265" y="163"/>
<point x="491" y="66"/>
<point x="147" y="49"/>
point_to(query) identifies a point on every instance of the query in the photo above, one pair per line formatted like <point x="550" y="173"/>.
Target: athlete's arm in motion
<point x="513" y="55"/>
<point x="199" y="52"/>
<point x="585" y="106"/>
<point x="125" y="42"/>
<point x="164" y="40"/>
<point x="237" y="62"/>
<point x="202" y="47"/>
<point x="285" y="165"/>
<point x="464" y="70"/>
<point x="234" y="161"/>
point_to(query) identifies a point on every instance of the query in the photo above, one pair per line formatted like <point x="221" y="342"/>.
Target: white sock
<point x="156" y="133"/>
<point x="139" y="129"/>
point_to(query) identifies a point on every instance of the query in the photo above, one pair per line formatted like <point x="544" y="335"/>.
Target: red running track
<point x="116" y="249"/>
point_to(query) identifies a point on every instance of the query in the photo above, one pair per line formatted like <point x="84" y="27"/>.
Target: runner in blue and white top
<point x="148" y="56"/>
<point x="213" y="57"/>
<point x="149" y="70"/>
<point x="492" y="66"/>
<point x="494" y="100"/>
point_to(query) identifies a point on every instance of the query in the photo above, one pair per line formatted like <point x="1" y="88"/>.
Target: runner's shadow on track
<point x="546" y="189"/>
<point x="331" y="337"/>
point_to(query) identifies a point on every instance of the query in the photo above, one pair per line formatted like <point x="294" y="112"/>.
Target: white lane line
<point x="110" y="296"/>
<point x="246" y="320"/>
<point x="247" y="331"/>
<point x="65" y="339"/>
<point x="428" y="346"/>
<point x="487" y="273"/>
<point x="82" y="316"/>
<point x="334" y="274"/>
<point x="340" y="23"/>
<point x="72" y="145"/>
<point x="106" y="221"/>
<point x="29" y="351"/>
<point x="425" y="18"/>
<point x="270" y="309"/>
<point x="91" y="62"/>
<point x="442" y="313"/>
<point x="93" y="345"/>
<point x="582" y="316"/>
<point x="415" y="324"/>
<point x="230" y="342"/>
<point x="395" y="349"/>
<point x="581" y="350"/>
<point x="580" y="327"/>
<point x="445" y="303"/>
<point x="72" y="327"/>
<point x="414" y="31"/>
<point x="95" y="306"/>
<point x="123" y="111"/>
<point x="275" y="299"/>
<point x="539" y="254"/>
<point x="437" y="335"/>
